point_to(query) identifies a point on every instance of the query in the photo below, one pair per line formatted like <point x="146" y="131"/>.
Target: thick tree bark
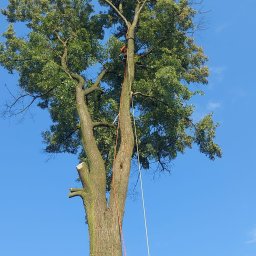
<point x="103" y="220"/>
<point x="104" y="231"/>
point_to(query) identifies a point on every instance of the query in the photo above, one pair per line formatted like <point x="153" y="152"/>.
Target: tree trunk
<point x="104" y="221"/>
<point x="104" y="232"/>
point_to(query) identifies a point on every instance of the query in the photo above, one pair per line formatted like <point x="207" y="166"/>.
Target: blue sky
<point x="203" y="208"/>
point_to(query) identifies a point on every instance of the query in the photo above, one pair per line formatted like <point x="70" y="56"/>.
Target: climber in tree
<point x="123" y="54"/>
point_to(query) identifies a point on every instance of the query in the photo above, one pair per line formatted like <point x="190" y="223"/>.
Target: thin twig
<point x="34" y="98"/>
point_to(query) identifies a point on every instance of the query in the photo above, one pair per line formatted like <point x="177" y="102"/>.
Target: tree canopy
<point x="169" y="67"/>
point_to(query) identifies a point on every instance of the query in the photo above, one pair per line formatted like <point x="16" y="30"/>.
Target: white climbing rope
<point x="140" y="177"/>
<point x="116" y="118"/>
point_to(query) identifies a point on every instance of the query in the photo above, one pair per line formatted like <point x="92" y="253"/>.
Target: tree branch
<point x="142" y="6"/>
<point x="100" y="77"/>
<point x="92" y="89"/>
<point x="118" y="12"/>
<point x="95" y="86"/>
<point x="78" y="77"/>
<point x="34" y="98"/>
<point x="103" y="124"/>
<point x="138" y="10"/>
<point x="95" y="160"/>
<point x="75" y="192"/>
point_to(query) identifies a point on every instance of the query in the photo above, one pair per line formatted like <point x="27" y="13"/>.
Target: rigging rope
<point x="140" y="177"/>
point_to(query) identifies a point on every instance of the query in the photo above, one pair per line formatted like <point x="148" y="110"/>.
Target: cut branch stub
<point x="84" y="175"/>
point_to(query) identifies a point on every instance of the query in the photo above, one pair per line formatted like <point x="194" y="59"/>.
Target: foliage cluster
<point x="169" y="67"/>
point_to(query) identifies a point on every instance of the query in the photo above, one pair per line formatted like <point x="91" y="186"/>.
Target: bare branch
<point x="19" y="98"/>
<point x="163" y="164"/>
<point x="9" y="91"/>
<point x="27" y="107"/>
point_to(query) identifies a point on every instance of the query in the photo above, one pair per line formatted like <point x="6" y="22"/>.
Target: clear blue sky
<point x="203" y="208"/>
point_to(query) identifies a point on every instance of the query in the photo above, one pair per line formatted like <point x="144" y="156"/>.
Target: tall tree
<point x="150" y="59"/>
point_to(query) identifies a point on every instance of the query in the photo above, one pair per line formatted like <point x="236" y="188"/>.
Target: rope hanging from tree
<point x="140" y="177"/>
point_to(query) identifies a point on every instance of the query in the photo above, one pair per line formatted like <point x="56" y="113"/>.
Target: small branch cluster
<point x="20" y="98"/>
